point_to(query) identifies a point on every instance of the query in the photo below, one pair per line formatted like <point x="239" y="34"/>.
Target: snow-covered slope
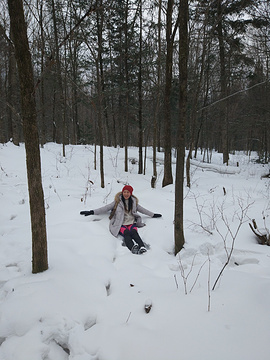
<point x="90" y="304"/>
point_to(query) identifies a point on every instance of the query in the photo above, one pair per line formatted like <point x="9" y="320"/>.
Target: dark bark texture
<point x="36" y="198"/>
<point x="180" y="163"/>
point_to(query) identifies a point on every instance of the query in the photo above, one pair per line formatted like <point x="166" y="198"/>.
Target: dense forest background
<point x="107" y="73"/>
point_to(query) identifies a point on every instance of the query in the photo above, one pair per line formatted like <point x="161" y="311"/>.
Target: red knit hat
<point x="128" y="188"/>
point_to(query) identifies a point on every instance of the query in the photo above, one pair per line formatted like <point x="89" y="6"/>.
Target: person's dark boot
<point x="142" y="250"/>
<point x="135" y="249"/>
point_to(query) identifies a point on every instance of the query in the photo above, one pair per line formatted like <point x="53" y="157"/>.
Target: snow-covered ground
<point x="90" y="304"/>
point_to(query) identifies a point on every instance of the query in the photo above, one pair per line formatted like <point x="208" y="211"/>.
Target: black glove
<point x="156" y="215"/>
<point x="87" y="213"/>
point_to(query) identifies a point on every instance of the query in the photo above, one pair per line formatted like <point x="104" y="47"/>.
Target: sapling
<point x="208" y="282"/>
<point x="114" y="159"/>
<point x="202" y="213"/>
<point x="198" y="274"/>
<point x="186" y="276"/>
<point x="182" y="271"/>
<point x="241" y="216"/>
<point x="89" y="184"/>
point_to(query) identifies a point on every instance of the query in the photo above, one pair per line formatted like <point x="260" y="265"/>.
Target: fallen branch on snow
<point x="221" y="169"/>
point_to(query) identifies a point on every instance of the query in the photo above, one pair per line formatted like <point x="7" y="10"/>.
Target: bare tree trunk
<point x="12" y="107"/>
<point x="60" y="85"/>
<point x="3" y="130"/>
<point x="140" y="96"/>
<point x="157" y="106"/>
<point x="126" y="135"/>
<point x="42" y="90"/>
<point x="75" y="136"/>
<point x="100" y="97"/>
<point x="204" y="112"/>
<point x="195" y="99"/>
<point x="168" y="178"/>
<point x="36" y="197"/>
<point x="223" y="81"/>
<point x="180" y="162"/>
<point x="114" y="137"/>
<point x="170" y="36"/>
<point x="104" y="102"/>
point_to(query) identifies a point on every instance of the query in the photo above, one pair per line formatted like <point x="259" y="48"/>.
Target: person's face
<point x="126" y="194"/>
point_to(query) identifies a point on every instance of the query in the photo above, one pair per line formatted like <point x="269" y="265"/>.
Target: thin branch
<point x="198" y="274"/>
<point x="51" y="60"/>
<point x="208" y="282"/>
<point x="229" y="96"/>
<point x="88" y="12"/>
<point x="233" y="235"/>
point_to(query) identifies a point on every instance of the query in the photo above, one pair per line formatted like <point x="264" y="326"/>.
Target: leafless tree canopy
<point x="114" y="65"/>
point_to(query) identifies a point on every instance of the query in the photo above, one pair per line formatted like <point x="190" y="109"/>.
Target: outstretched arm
<point x="99" y="211"/>
<point x="147" y="212"/>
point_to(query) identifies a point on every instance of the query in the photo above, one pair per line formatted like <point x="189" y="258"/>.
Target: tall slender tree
<point x="100" y="88"/>
<point x="126" y="82"/>
<point x="36" y="197"/>
<point x="170" y="36"/>
<point x="140" y="95"/>
<point x="61" y="126"/>
<point x="157" y="98"/>
<point x="12" y="97"/>
<point x="180" y="162"/>
<point x="223" y="83"/>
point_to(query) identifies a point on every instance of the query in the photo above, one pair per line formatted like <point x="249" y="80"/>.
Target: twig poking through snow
<point x="128" y="317"/>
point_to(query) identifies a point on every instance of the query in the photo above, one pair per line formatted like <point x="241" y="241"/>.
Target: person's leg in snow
<point x="136" y="237"/>
<point x="132" y="239"/>
<point x="128" y="239"/>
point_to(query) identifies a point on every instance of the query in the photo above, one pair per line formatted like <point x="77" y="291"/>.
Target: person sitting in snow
<point x="124" y="218"/>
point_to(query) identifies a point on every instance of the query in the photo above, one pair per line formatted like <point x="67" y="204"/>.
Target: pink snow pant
<point x="131" y="236"/>
<point x="127" y="227"/>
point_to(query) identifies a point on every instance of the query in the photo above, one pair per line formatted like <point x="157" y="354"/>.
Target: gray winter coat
<point x="118" y="216"/>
